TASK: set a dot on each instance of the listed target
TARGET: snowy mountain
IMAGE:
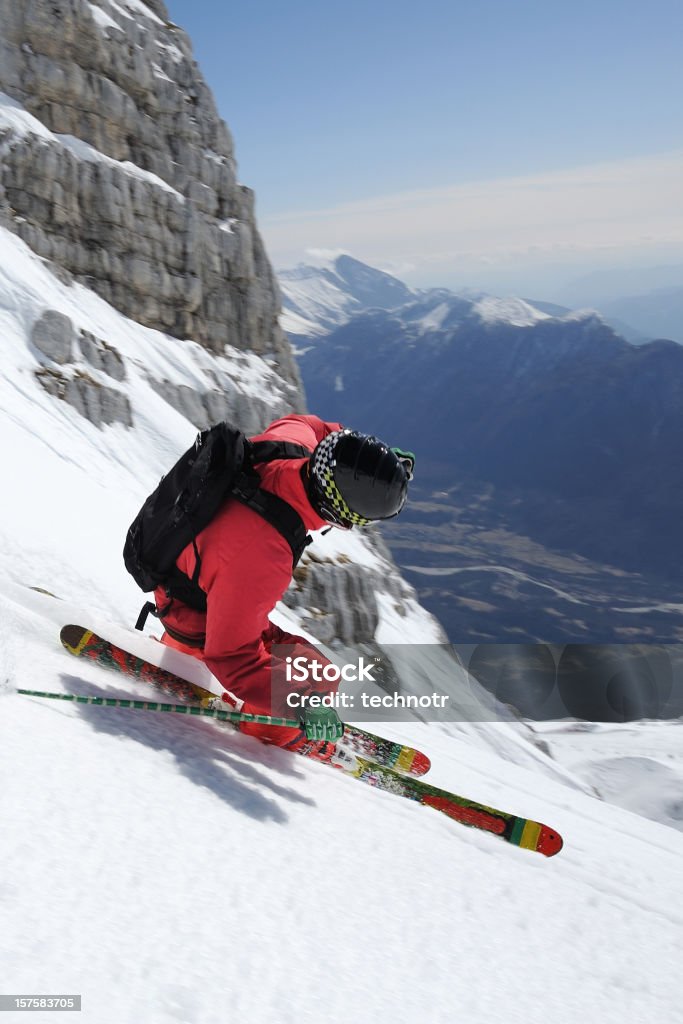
(169, 871)
(487, 392)
(316, 298)
(537, 429)
(206, 869)
(116, 815)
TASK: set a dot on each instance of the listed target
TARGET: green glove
(322, 724)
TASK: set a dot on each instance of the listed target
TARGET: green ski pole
(177, 709)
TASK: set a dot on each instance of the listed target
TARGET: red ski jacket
(246, 566)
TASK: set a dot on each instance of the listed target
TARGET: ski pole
(178, 709)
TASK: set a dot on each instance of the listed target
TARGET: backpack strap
(275, 511)
(270, 507)
(269, 451)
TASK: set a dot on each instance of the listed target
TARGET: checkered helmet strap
(323, 464)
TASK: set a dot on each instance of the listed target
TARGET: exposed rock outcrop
(61, 356)
(202, 408)
(100, 404)
(53, 336)
(341, 596)
(118, 169)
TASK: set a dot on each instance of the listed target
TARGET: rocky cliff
(133, 282)
(115, 166)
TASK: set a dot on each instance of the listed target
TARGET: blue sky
(340, 111)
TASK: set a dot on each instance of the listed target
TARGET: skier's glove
(322, 724)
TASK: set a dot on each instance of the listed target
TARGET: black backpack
(219, 465)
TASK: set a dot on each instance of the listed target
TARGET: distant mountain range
(573, 434)
(647, 299)
(658, 313)
(318, 298)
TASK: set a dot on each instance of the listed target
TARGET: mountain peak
(371, 287)
(318, 298)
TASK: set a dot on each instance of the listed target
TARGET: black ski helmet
(355, 478)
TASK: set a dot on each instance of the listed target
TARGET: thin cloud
(634, 204)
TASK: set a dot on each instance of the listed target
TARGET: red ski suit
(246, 566)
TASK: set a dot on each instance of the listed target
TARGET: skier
(245, 565)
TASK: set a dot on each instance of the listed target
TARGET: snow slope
(637, 765)
(168, 871)
(309, 299)
(172, 872)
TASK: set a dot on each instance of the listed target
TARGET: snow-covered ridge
(327, 293)
(317, 298)
(28, 288)
(510, 311)
(312, 303)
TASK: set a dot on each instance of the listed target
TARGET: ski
(347, 757)
(83, 642)
(523, 832)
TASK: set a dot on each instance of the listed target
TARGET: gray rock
(137, 197)
(100, 405)
(53, 335)
(204, 408)
(52, 381)
(102, 356)
(343, 597)
(322, 627)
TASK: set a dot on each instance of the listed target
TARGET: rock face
(341, 597)
(118, 169)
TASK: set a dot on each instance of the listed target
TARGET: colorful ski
(523, 832)
(84, 643)
(530, 835)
